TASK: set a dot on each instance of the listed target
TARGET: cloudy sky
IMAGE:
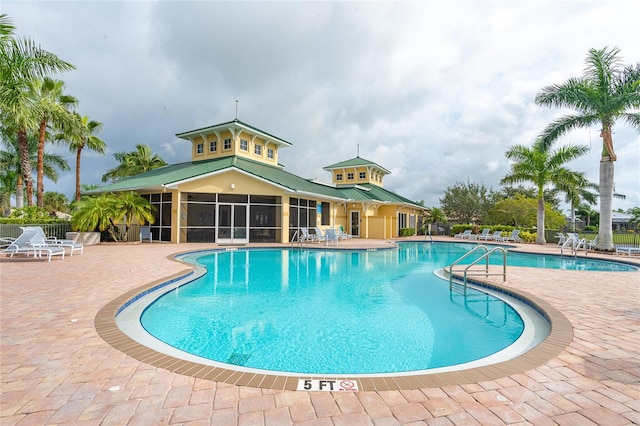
(435, 92)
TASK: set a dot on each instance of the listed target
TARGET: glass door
(355, 223)
(232, 224)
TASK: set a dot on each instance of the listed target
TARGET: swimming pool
(376, 297)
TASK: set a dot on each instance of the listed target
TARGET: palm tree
(606, 92)
(542, 167)
(79, 135)
(10, 161)
(129, 206)
(132, 163)
(56, 201)
(53, 106)
(577, 191)
(22, 61)
(94, 214)
(585, 212)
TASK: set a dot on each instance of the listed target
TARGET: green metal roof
(174, 174)
(355, 162)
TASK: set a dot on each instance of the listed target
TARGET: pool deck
(56, 369)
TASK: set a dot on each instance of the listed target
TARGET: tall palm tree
(132, 163)
(53, 107)
(79, 135)
(541, 166)
(10, 161)
(22, 61)
(607, 92)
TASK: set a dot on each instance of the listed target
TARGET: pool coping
(560, 336)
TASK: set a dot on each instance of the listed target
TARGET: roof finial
(358, 151)
(236, 109)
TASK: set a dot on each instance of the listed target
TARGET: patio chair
(465, 234)
(514, 237)
(561, 238)
(628, 250)
(145, 234)
(319, 236)
(331, 235)
(484, 235)
(41, 238)
(304, 235)
(495, 236)
(24, 245)
(592, 243)
(343, 235)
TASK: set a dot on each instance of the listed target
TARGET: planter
(85, 238)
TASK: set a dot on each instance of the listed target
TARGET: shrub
(407, 232)
(590, 228)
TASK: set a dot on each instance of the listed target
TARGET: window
(363, 175)
(270, 153)
(338, 176)
(227, 144)
(244, 145)
(200, 148)
(257, 149)
(349, 176)
(213, 146)
(325, 220)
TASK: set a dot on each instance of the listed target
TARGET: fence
(59, 230)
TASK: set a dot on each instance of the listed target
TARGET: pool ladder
(575, 246)
(468, 271)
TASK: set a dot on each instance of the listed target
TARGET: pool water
(336, 312)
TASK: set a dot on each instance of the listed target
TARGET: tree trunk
(78, 154)
(19, 192)
(25, 164)
(40, 171)
(605, 231)
(573, 218)
(540, 234)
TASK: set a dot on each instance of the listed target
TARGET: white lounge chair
(343, 235)
(628, 250)
(592, 243)
(484, 235)
(24, 245)
(41, 239)
(495, 235)
(463, 235)
(331, 235)
(304, 235)
(561, 238)
(514, 237)
(319, 236)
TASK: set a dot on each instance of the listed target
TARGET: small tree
(466, 203)
(102, 212)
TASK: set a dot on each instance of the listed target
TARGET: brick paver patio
(56, 369)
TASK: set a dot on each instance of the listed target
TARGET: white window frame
(214, 145)
(338, 176)
(226, 144)
(362, 175)
(270, 153)
(350, 176)
(244, 145)
(257, 149)
(200, 148)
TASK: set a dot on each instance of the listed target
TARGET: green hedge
(407, 232)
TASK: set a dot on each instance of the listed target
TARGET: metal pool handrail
(485, 256)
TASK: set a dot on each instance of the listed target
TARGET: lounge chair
(343, 235)
(463, 235)
(495, 236)
(592, 243)
(561, 238)
(41, 239)
(24, 245)
(331, 235)
(304, 235)
(514, 237)
(628, 250)
(319, 236)
(484, 235)
(145, 234)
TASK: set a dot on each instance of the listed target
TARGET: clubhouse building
(234, 191)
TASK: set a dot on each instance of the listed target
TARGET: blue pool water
(338, 312)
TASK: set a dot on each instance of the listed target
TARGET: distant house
(235, 191)
(620, 222)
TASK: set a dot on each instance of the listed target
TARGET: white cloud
(435, 92)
